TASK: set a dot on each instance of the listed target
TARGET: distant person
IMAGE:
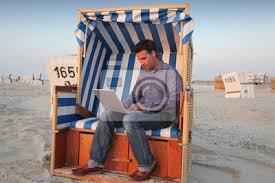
(153, 104)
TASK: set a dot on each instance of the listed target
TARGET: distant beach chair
(218, 83)
(17, 79)
(14, 80)
(37, 79)
(37, 76)
(260, 78)
(26, 79)
(34, 79)
(6, 79)
(106, 60)
(36, 82)
(238, 85)
(272, 84)
(252, 78)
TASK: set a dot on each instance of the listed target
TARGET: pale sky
(230, 35)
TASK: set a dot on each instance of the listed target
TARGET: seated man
(153, 104)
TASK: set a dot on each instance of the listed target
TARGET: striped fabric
(121, 37)
(91, 124)
(119, 72)
(155, 16)
(66, 112)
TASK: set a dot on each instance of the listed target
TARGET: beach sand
(233, 139)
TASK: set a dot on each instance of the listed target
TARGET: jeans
(135, 124)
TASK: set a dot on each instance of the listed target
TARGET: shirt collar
(158, 67)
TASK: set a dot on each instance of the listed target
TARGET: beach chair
(6, 79)
(252, 78)
(272, 84)
(218, 83)
(261, 78)
(238, 85)
(37, 76)
(106, 60)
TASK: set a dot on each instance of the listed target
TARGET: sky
(230, 35)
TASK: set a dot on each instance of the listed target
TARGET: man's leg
(135, 124)
(101, 143)
(102, 139)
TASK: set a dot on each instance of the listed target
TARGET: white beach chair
(6, 78)
(238, 85)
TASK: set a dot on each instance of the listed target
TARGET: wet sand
(233, 139)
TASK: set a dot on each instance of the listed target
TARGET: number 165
(61, 71)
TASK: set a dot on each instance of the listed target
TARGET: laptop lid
(109, 100)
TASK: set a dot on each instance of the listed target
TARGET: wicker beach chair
(218, 83)
(272, 85)
(106, 38)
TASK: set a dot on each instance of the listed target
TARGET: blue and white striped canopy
(121, 30)
(108, 60)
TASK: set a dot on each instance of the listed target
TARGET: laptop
(109, 100)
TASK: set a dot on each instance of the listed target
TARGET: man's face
(146, 59)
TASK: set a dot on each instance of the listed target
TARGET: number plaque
(62, 71)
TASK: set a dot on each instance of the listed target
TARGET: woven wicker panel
(190, 122)
(189, 159)
(190, 111)
(187, 78)
(188, 62)
(189, 117)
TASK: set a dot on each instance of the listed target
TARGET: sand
(233, 139)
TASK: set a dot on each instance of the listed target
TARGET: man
(153, 104)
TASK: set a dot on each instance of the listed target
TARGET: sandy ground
(233, 139)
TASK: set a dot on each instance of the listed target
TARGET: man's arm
(128, 102)
(174, 85)
(169, 103)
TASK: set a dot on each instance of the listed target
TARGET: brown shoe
(140, 176)
(84, 170)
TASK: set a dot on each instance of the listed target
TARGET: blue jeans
(135, 124)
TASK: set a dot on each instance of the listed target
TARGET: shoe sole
(136, 178)
(88, 173)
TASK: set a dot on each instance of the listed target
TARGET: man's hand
(136, 107)
(139, 107)
(125, 105)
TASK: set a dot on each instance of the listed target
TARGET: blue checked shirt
(158, 90)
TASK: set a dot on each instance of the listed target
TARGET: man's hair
(148, 45)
